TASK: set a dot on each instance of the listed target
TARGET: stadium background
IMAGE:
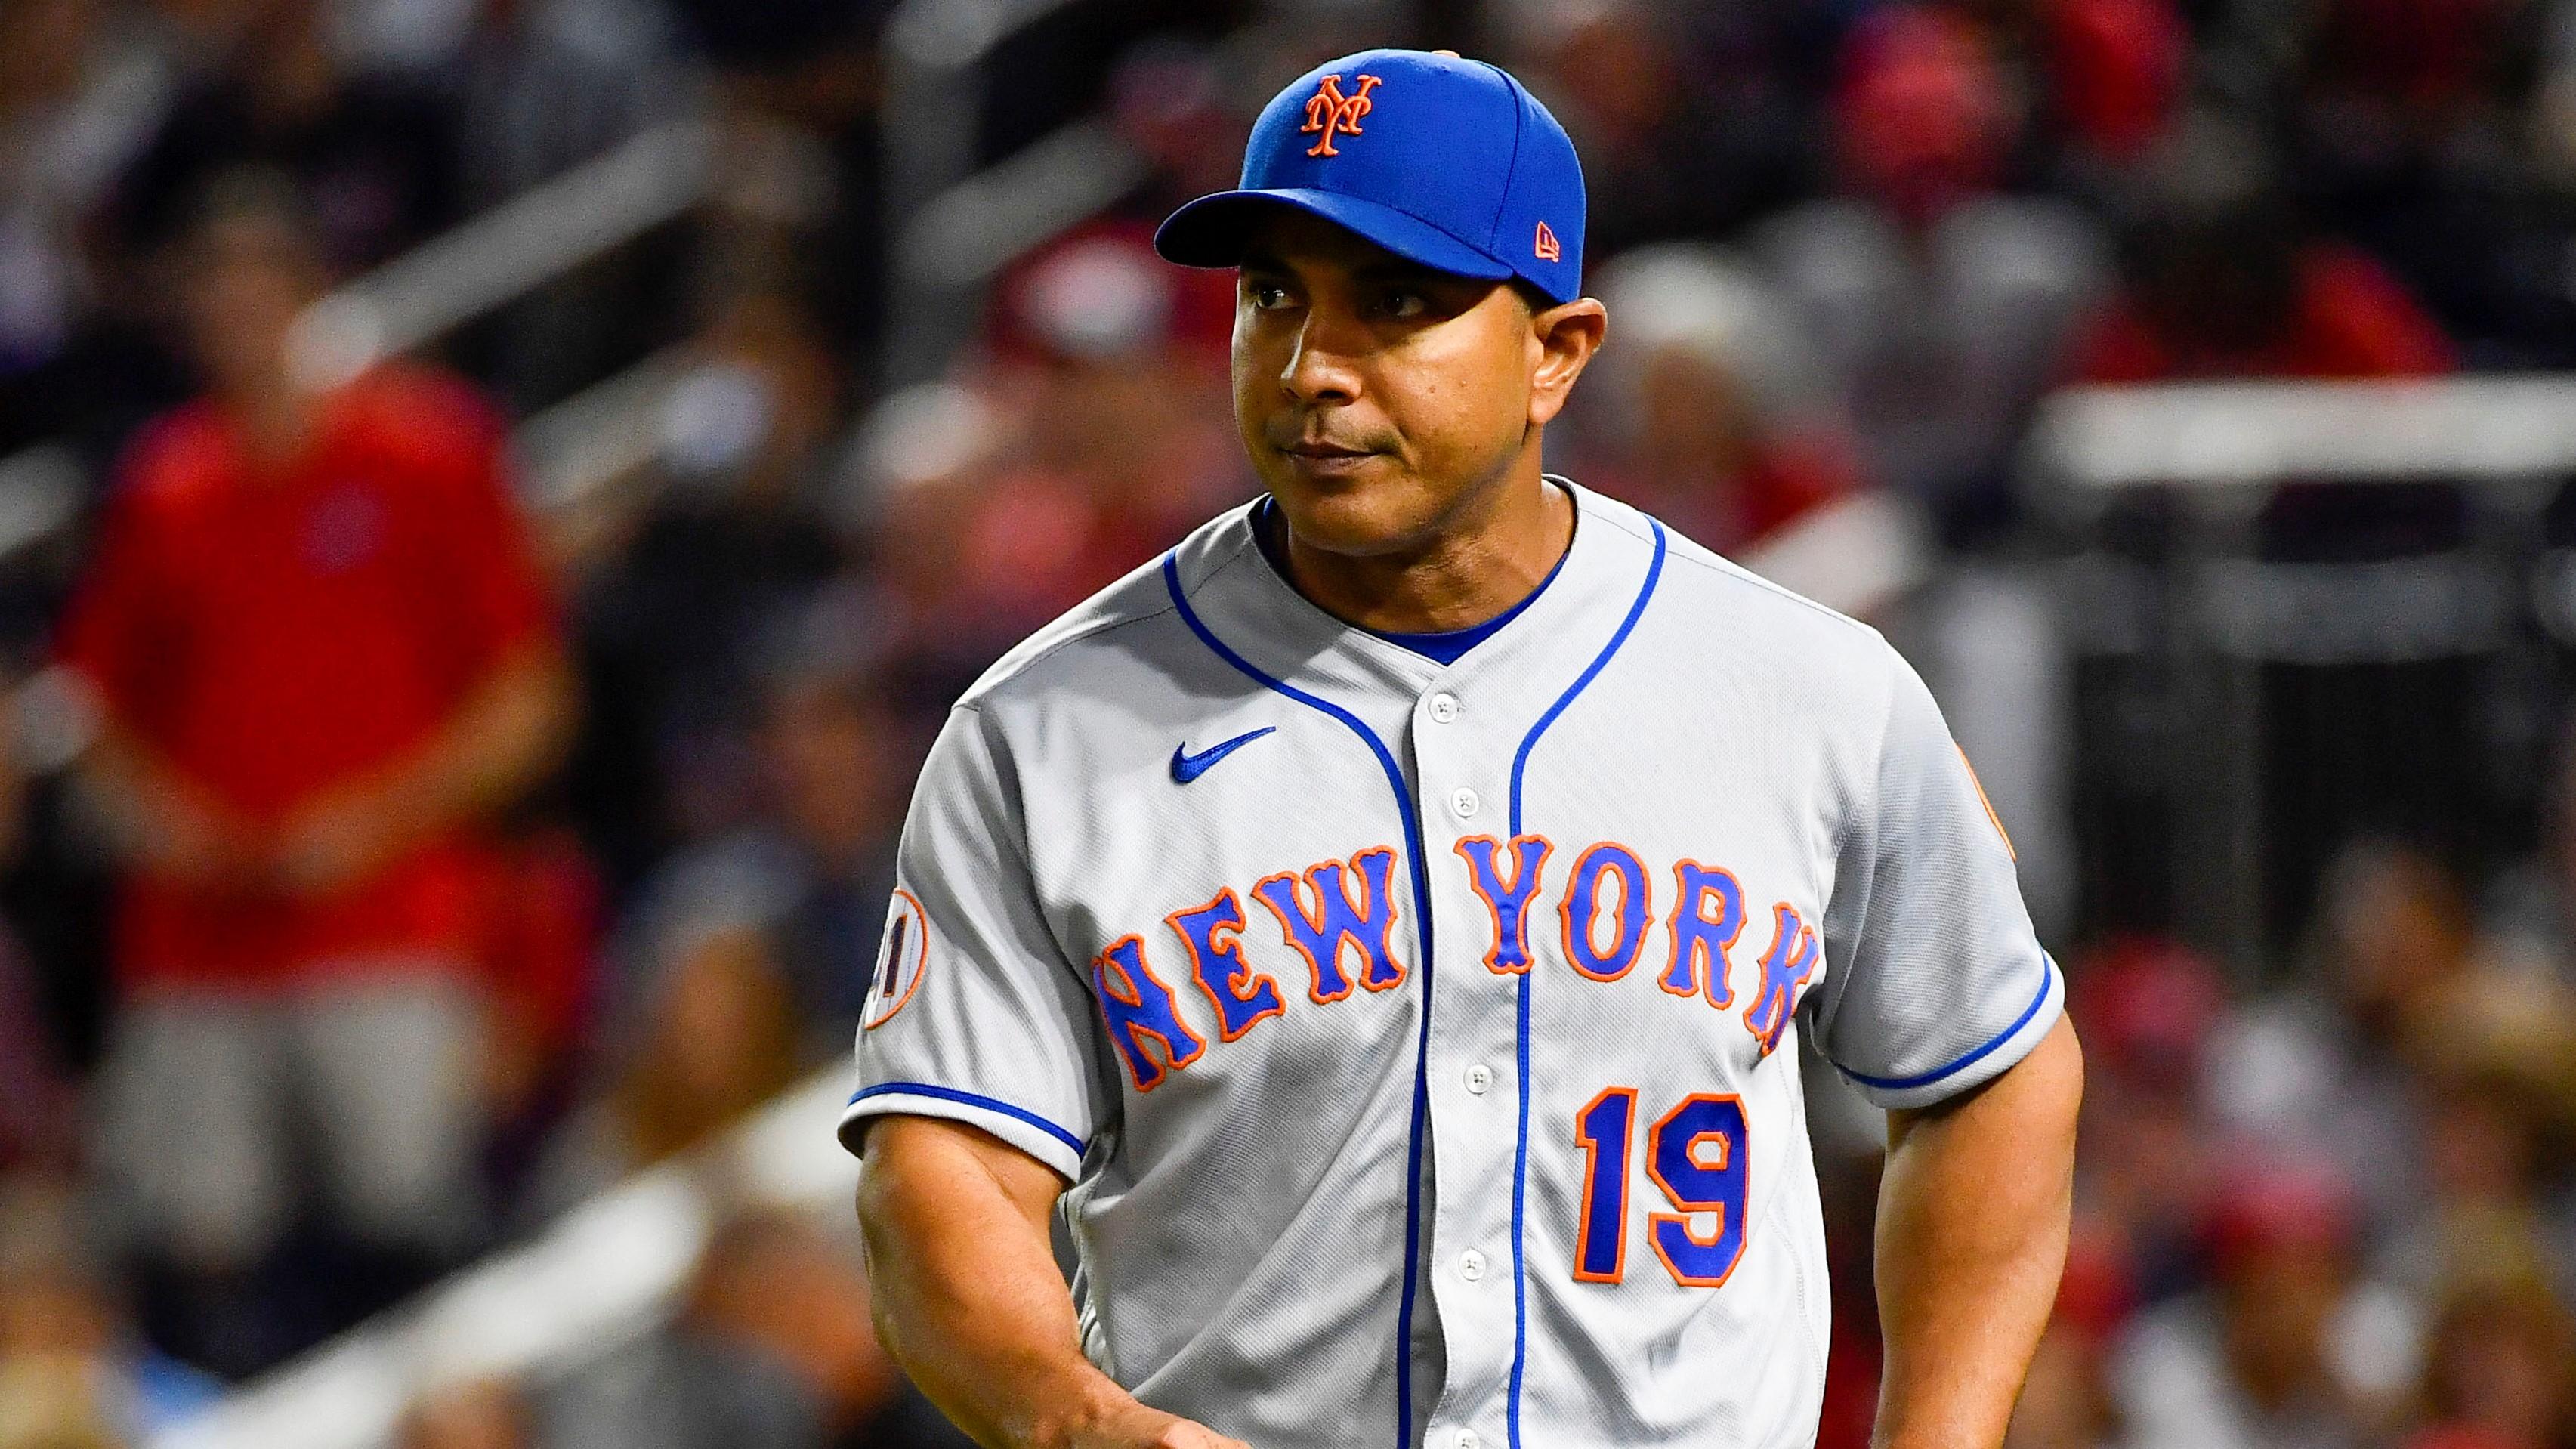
(2172, 378)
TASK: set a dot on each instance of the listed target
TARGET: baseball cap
(1448, 162)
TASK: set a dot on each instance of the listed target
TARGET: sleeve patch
(903, 956)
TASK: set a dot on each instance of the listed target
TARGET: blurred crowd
(398, 857)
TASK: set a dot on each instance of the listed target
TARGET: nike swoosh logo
(1187, 767)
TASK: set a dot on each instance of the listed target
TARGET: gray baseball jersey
(1419, 1041)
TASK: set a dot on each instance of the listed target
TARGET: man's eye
(1268, 296)
(1404, 304)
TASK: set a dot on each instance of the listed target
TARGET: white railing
(2093, 441)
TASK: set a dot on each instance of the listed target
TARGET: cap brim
(1211, 231)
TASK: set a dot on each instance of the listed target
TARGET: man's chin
(1361, 516)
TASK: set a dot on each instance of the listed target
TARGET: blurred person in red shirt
(320, 655)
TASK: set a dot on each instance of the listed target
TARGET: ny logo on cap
(1329, 112)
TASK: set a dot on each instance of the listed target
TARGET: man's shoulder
(1104, 645)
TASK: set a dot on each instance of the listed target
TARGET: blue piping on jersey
(971, 1099)
(1520, 1147)
(1422, 929)
(2047, 978)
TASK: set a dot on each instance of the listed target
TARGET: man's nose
(1320, 365)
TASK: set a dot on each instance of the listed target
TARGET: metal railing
(2217, 613)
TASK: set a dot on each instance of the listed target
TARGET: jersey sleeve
(973, 1013)
(1935, 982)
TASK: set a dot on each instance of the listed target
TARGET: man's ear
(1563, 339)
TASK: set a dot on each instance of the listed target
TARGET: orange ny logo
(1329, 112)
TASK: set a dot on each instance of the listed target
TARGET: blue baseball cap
(1448, 162)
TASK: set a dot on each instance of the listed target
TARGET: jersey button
(1465, 802)
(1480, 1079)
(1444, 708)
(1471, 1265)
(1467, 1439)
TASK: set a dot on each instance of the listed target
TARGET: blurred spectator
(2288, 1349)
(374, 155)
(2325, 1065)
(2115, 71)
(72, 1368)
(743, 961)
(2496, 1066)
(2146, 1010)
(2418, 141)
(703, 1031)
(772, 1349)
(1940, 303)
(2223, 283)
(735, 538)
(816, 868)
(1090, 439)
(1687, 116)
(1709, 413)
(2500, 1365)
(320, 654)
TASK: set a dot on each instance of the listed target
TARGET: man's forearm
(1972, 1226)
(965, 1288)
(509, 732)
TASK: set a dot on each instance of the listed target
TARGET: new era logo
(1545, 245)
(1330, 113)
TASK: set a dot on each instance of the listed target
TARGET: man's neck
(1489, 556)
